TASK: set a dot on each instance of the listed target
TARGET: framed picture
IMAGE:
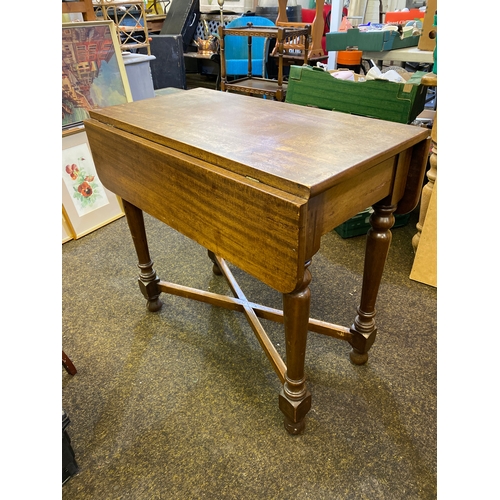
(66, 231)
(87, 204)
(93, 72)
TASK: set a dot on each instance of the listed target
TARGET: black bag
(182, 19)
(69, 465)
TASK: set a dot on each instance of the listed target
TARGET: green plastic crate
(369, 41)
(360, 223)
(396, 102)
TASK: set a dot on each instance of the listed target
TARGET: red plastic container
(412, 14)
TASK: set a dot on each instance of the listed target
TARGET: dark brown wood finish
(148, 280)
(228, 171)
(68, 364)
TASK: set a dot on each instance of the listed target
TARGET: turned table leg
(148, 280)
(295, 399)
(378, 242)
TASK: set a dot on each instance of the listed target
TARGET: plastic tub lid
(129, 58)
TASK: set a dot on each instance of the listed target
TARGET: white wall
(392, 5)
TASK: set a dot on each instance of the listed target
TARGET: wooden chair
(130, 20)
(296, 46)
(85, 7)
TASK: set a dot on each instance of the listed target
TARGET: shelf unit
(256, 85)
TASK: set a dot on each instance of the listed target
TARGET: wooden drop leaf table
(257, 183)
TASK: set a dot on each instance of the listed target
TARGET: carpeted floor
(183, 404)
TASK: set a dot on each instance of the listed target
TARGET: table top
(408, 54)
(202, 55)
(300, 150)
(228, 170)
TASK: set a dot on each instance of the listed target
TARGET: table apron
(342, 201)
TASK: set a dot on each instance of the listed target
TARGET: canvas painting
(93, 73)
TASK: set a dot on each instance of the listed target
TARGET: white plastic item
(390, 75)
(344, 75)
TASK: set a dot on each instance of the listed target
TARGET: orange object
(349, 57)
(394, 17)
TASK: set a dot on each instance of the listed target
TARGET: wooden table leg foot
(154, 305)
(294, 429)
(357, 357)
(148, 283)
(294, 412)
(215, 269)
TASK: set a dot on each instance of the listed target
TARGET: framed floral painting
(87, 204)
(93, 72)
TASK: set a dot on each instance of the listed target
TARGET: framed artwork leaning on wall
(93, 72)
(87, 205)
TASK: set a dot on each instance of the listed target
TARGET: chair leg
(68, 364)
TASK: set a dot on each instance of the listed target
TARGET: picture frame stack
(93, 76)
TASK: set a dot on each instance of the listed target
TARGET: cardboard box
(370, 41)
(396, 102)
(424, 267)
(428, 39)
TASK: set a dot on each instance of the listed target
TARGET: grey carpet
(183, 404)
